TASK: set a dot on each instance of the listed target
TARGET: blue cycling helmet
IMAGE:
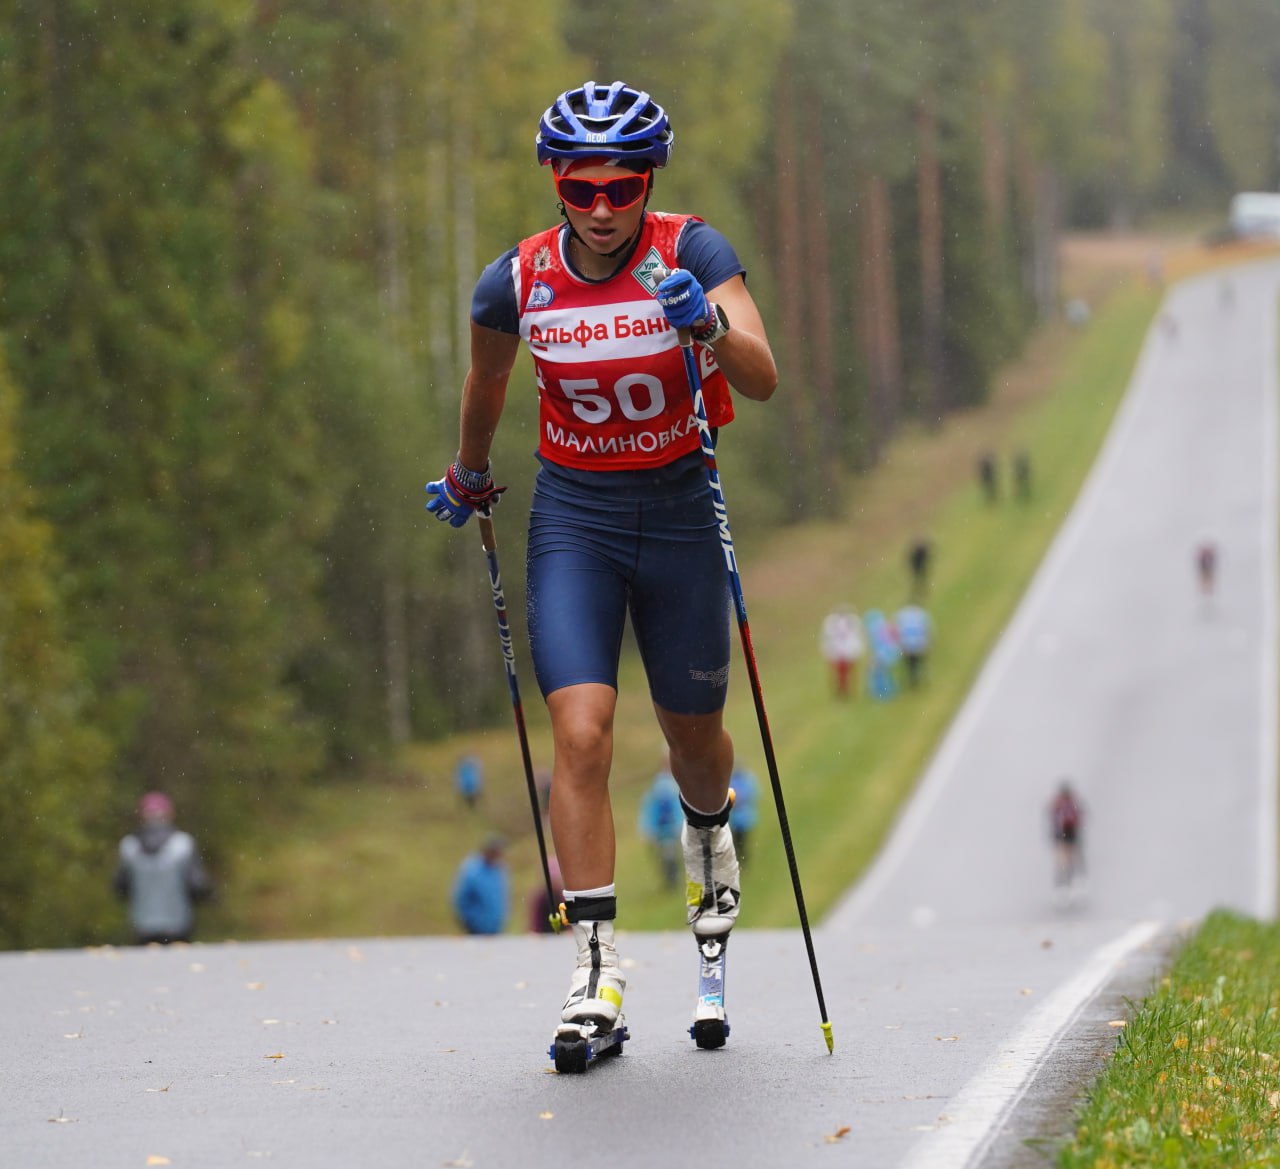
(613, 122)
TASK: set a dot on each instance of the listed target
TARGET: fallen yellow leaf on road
(843, 1131)
(278, 1055)
(155, 1160)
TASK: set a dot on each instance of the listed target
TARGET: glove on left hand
(683, 300)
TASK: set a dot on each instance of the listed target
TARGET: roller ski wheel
(710, 1028)
(576, 1046)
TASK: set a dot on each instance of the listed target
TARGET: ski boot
(711, 864)
(591, 1020)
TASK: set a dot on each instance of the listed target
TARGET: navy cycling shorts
(605, 544)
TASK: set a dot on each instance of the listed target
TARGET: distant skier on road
(1066, 817)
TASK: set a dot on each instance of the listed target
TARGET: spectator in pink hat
(160, 876)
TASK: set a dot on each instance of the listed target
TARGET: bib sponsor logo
(651, 271)
(540, 295)
(542, 259)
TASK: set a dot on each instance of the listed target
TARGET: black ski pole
(490, 541)
(753, 673)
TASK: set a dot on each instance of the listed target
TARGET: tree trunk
(818, 270)
(929, 180)
(395, 301)
(791, 276)
(877, 322)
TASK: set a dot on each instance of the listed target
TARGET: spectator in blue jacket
(481, 890)
(661, 819)
(744, 813)
(915, 636)
(468, 778)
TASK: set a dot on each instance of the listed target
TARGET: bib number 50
(629, 392)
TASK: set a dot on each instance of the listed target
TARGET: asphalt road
(967, 1002)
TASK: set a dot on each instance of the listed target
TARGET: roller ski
(710, 1027)
(577, 1045)
(712, 867)
(591, 1022)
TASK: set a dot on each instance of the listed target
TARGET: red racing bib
(612, 389)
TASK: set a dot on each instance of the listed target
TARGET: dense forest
(237, 247)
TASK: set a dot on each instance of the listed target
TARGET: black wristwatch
(714, 329)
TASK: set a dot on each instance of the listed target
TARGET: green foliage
(1192, 1083)
(1243, 90)
(53, 795)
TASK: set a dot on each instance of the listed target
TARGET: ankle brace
(590, 909)
(706, 819)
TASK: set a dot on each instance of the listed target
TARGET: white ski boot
(711, 864)
(591, 1019)
(595, 991)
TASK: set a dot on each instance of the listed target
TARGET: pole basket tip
(831, 1042)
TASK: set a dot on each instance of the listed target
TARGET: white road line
(1268, 778)
(979, 1113)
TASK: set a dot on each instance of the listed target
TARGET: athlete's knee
(582, 723)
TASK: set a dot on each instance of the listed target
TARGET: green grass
(1195, 1080)
(377, 856)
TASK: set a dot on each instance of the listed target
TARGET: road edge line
(982, 1108)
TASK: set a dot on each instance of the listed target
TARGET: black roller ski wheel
(710, 1033)
(570, 1054)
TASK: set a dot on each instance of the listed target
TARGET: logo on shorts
(540, 295)
(717, 678)
(651, 271)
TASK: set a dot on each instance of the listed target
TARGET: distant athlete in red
(622, 519)
(1065, 819)
(1207, 567)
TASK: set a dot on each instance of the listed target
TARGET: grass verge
(1195, 1079)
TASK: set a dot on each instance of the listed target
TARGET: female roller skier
(622, 518)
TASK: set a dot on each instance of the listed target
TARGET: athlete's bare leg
(581, 814)
(701, 756)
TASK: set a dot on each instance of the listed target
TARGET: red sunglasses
(621, 193)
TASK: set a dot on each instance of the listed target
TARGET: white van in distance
(1256, 214)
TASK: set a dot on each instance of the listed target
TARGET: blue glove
(683, 300)
(460, 493)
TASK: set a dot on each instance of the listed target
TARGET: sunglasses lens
(581, 194)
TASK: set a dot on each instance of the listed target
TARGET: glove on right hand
(683, 300)
(461, 492)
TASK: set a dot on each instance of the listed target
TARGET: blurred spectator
(1022, 475)
(481, 890)
(744, 813)
(919, 555)
(885, 655)
(160, 876)
(842, 644)
(915, 635)
(468, 778)
(988, 479)
(661, 819)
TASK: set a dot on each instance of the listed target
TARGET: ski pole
(744, 631)
(489, 540)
